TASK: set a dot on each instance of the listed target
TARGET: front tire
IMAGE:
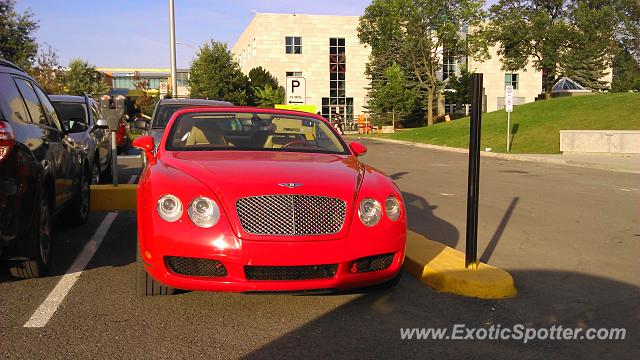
(39, 261)
(145, 284)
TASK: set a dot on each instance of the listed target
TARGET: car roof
(199, 102)
(9, 67)
(67, 98)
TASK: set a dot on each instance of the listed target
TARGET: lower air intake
(195, 266)
(290, 272)
(372, 263)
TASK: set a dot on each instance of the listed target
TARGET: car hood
(232, 175)
(235, 174)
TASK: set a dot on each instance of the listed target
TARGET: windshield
(71, 112)
(252, 131)
(163, 114)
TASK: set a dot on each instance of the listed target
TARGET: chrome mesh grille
(292, 215)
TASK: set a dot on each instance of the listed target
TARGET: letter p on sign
(296, 90)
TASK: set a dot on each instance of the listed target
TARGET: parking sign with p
(296, 90)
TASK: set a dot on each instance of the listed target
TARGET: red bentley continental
(248, 199)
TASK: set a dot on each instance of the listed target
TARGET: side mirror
(357, 148)
(102, 124)
(140, 124)
(145, 143)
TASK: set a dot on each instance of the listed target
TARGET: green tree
(17, 43)
(48, 72)
(84, 78)
(392, 97)
(268, 96)
(626, 72)
(259, 78)
(460, 87)
(417, 34)
(215, 75)
(560, 37)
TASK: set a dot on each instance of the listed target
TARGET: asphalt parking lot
(569, 236)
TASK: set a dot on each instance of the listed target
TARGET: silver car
(80, 115)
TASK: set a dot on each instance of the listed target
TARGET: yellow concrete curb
(442, 268)
(110, 198)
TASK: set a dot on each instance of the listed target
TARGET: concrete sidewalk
(619, 163)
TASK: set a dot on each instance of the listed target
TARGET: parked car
(165, 108)
(248, 199)
(123, 140)
(43, 173)
(80, 114)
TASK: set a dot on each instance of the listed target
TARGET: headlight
(369, 212)
(392, 208)
(204, 212)
(169, 208)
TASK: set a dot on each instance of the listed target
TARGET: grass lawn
(538, 124)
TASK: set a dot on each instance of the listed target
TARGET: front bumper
(342, 252)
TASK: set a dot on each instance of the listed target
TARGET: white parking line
(132, 179)
(45, 311)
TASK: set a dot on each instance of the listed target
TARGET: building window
(337, 56)
(448, 66)
(294, 73)
(337, 102)
(182, 79)
(293, 45)
(511, 79)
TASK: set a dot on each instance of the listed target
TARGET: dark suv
(43, 173)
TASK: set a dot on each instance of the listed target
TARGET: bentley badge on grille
(290, 185)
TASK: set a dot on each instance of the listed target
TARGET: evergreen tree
(260, 79)
(215, 75)
(268, 96)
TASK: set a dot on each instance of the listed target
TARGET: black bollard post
(473, 185)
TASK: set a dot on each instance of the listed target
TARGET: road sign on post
(508, 106)
(473, 184)
(296, 90)
(164, 87)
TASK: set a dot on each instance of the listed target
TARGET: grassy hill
(538, 124)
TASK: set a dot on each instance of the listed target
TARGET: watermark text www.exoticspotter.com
(518, 332)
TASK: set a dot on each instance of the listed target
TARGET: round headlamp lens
(204, 212)
(369, 211)
(392, 208)
(169, 208)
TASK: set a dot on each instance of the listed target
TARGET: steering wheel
(297, 142)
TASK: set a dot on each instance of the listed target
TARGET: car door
(72, 169)
(55, 149)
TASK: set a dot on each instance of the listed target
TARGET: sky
(135, 33)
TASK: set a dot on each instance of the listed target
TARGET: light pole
(172, 30)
